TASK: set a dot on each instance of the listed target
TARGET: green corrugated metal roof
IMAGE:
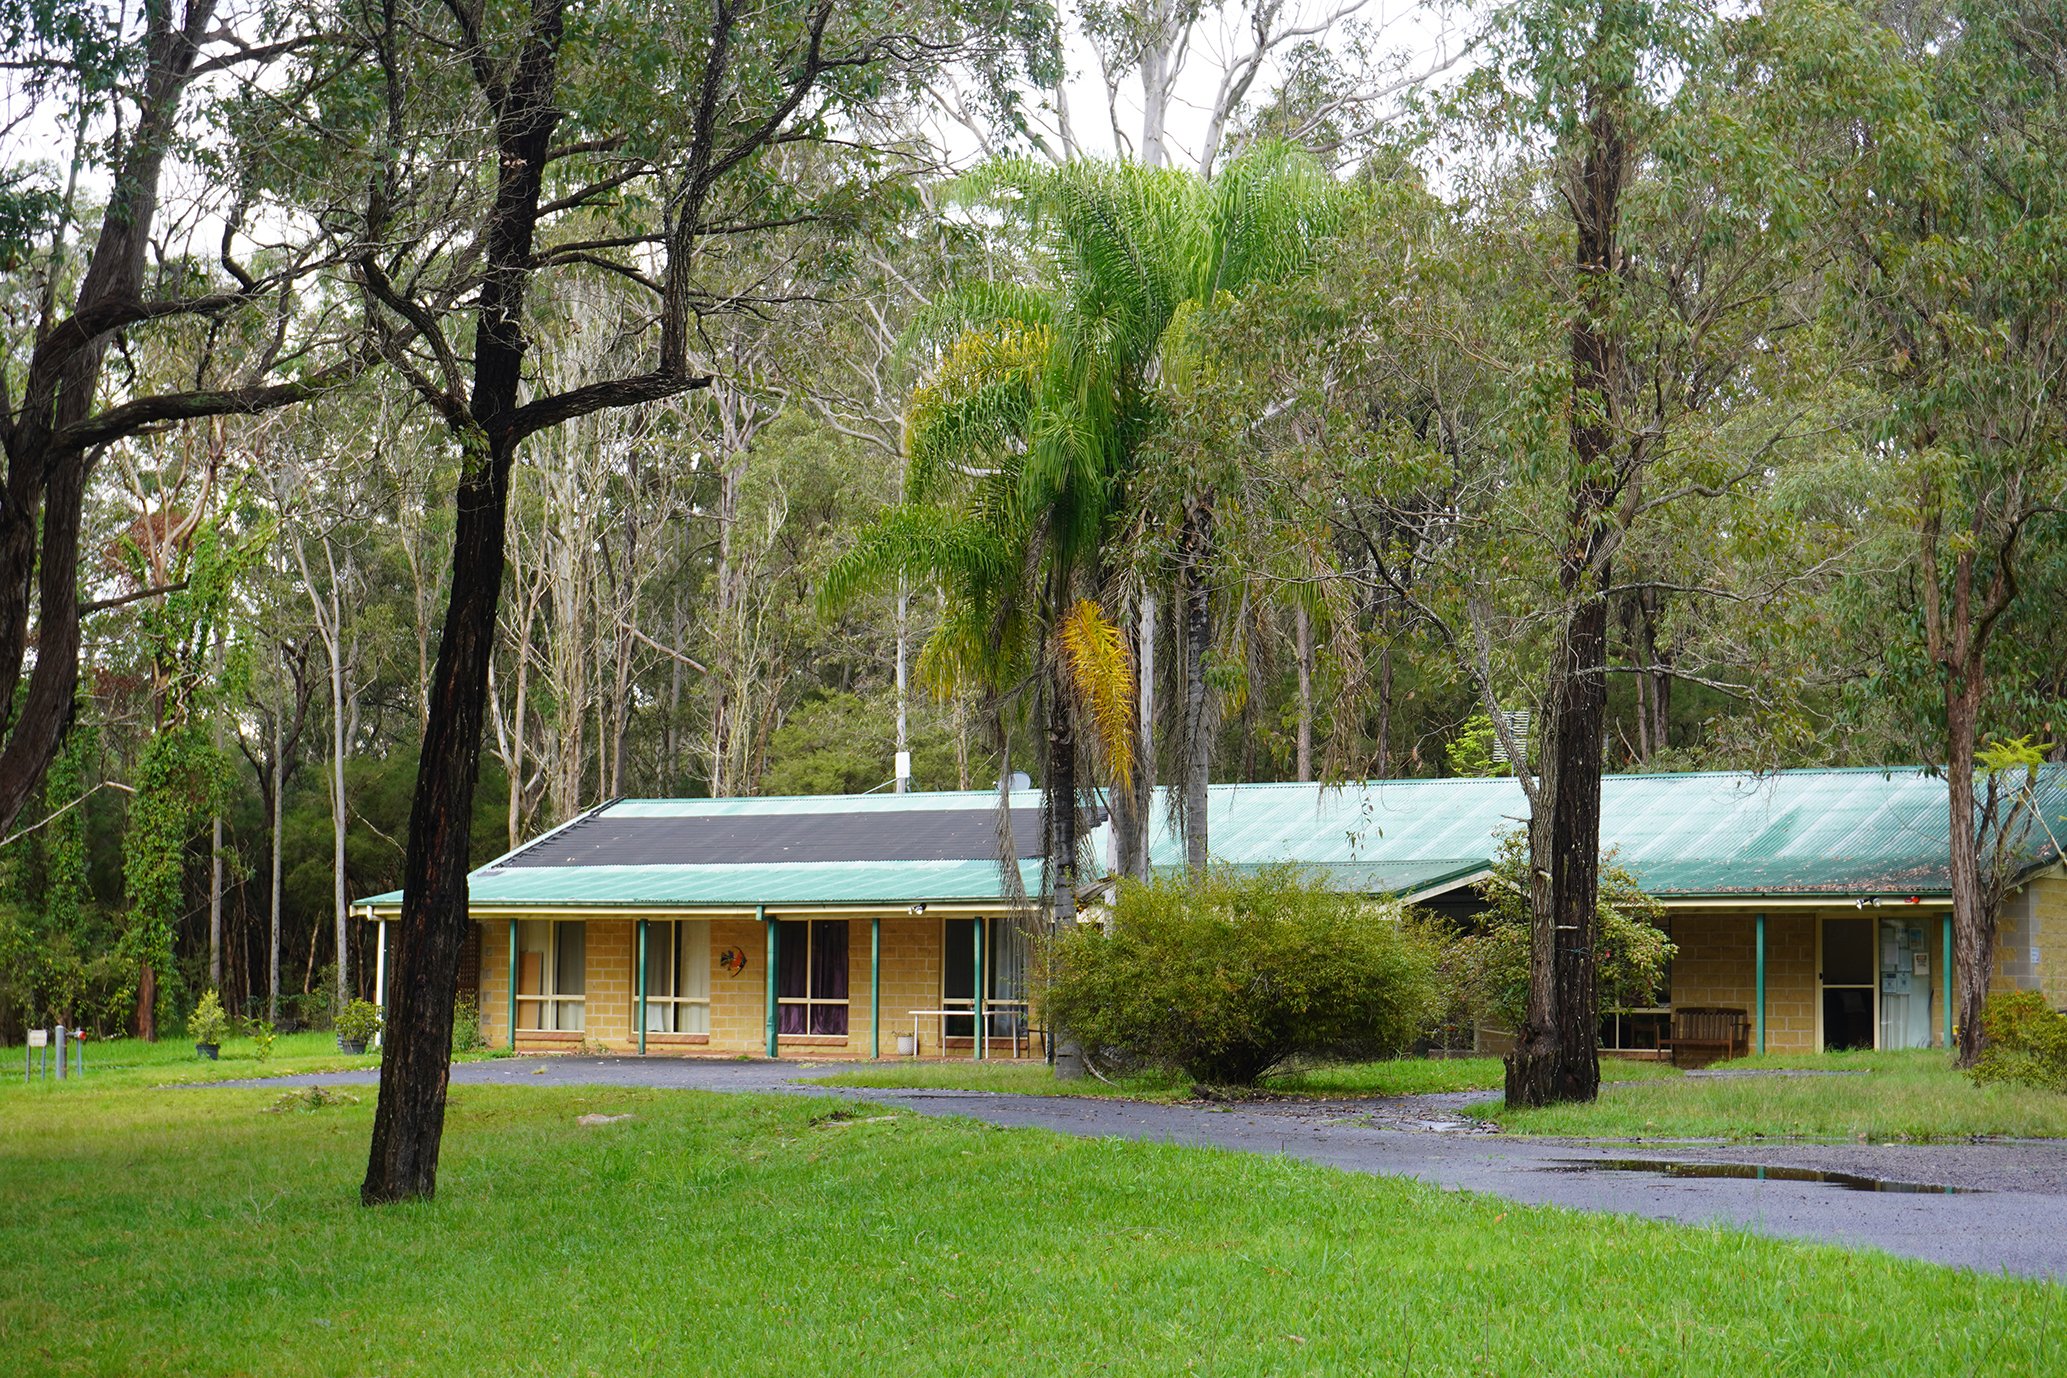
(1802, 832)
(820, 882)
(1434, 876)
(1851, 832)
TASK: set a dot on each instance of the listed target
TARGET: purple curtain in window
(829, 975)
(792, 973)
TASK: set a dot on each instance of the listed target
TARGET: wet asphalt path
(2012, 1218)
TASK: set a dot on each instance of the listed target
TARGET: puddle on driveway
(1666, 1167)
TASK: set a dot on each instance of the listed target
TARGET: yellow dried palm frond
(1102, 673)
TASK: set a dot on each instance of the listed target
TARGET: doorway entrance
(1850, 983)
(1905, 984)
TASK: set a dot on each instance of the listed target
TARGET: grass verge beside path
(1401, 1076)
(1915, 1096)
(194, 1232)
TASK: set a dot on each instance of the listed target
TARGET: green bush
(1486, 967)
(466, 1025)
(262, 1039)
(1224, 976)
(208, 1023)
(359, 1022)
(2024, 1041)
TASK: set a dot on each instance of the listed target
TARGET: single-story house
(1814, 902)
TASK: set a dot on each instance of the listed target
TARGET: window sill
(655, 1036)
(811, 1040)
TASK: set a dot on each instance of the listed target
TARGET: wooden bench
(1723, 1033)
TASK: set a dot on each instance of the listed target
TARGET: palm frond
(1101, 673)
(974, 404)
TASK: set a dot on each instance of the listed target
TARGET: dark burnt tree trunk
(490, 422)
(1556, 1055)
(409, 1122)
(51, 431)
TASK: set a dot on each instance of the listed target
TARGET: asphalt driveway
(1996, 1206)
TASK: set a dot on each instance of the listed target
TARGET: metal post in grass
(60, 1052)
(976, 1001)
(1761, 983)
(513, 986)
(761, 912)
(875, 987)
(642, 988)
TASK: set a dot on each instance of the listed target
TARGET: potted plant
(357, 1025)
(208, 1024)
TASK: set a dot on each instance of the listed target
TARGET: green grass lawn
(204, 1231)
(133, 1062)
(1894, 1096)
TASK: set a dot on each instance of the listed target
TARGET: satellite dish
(1019, 780)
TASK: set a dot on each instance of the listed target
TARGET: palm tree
(1024, 441)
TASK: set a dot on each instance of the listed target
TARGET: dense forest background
(1320, 532)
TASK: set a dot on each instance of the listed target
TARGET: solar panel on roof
(935, 835)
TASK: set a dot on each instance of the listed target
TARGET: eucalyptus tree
(1623, 293)
(1939, 134)
(141, 95)
(506, 150)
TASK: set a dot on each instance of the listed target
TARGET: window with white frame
(552, 974)
(811, 976)
(678, 976)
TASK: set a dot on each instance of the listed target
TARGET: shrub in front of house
(356, 1025)
(1485, 963)
(466, 1024)
(1224, 976)
(2024, 1042)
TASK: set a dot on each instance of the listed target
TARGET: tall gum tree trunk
(1557, 1054)
(1974, 927)
(431, 929)
(409, 1120)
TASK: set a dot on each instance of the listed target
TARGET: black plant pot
(207, 1050)
(351, 1045)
